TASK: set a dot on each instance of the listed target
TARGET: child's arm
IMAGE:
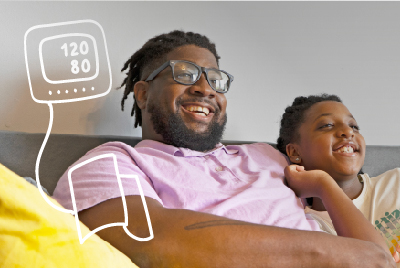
(346, 218)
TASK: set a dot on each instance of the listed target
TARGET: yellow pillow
(33, 234)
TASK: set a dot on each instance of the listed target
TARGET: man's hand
(308, 183)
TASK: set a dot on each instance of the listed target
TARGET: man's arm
(184, 238)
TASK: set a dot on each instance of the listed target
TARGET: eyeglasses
(188, 73)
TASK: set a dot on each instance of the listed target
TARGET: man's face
(330, 140)
(178, 113)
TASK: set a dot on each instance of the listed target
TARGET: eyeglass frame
(203, 70)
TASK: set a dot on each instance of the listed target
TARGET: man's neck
(151, 135)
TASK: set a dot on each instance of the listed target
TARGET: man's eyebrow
(328, 114)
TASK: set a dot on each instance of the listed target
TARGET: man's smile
(199, 110)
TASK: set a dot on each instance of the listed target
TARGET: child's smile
(346, 149)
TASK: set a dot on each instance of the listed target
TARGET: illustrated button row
(66, 91)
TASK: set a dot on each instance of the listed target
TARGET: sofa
(46, 237)
(19, 150)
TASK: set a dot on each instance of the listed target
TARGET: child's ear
(292, 150)
(140, 91)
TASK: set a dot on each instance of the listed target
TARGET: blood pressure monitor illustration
(68, 62)
(73, 60)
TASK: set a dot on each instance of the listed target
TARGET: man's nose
(202, 87)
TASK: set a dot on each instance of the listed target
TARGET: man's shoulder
(252, 147)
(259, 150)
(110, 147)
(121, 146)
(254, 150)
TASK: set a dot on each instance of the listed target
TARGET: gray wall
(275, 50)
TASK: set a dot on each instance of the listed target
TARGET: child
(322, 138)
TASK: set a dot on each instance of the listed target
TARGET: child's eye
(355, 127)
(326, 126)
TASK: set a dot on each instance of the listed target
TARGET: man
(210, 205)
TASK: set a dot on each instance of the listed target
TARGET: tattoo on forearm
(206, 224)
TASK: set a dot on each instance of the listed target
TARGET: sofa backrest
(19, 151)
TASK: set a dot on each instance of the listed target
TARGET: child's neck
(351, 188)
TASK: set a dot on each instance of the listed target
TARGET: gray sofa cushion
(18, 152)
(379, 159)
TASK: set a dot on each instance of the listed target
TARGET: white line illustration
(94, 95)
(44, 195)
(118, 176)
(44, 26)
(96, 54)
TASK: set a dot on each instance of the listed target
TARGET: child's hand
(396, 254)
(307, 183)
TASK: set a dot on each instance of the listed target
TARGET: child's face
(330, 140)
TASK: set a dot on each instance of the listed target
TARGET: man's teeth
(199, 109)
(345, 149)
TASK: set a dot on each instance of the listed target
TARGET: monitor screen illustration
(67, 62)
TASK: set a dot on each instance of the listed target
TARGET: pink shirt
(242, 182)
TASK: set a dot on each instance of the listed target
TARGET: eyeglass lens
(187, 73)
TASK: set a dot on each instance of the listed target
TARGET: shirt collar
(180, 151)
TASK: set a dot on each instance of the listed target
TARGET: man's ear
(140, 90)
(293, 151)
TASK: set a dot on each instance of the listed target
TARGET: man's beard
(174, 131)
